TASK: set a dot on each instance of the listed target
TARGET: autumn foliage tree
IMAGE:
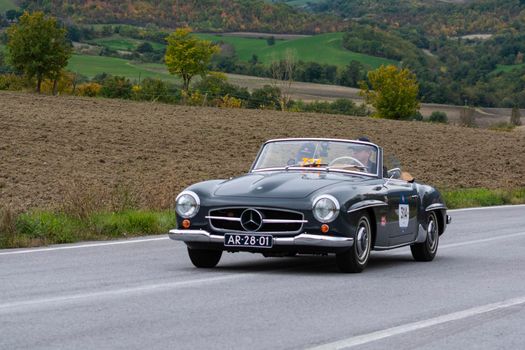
(393, 92)
(38, 47)
(187, 56)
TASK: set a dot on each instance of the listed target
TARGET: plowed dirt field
(52, 148)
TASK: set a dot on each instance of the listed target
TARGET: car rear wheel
(204, 257)
(356, 259)
(427, 250)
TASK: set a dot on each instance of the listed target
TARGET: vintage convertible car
(311, 196)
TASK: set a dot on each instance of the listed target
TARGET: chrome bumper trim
(303, 239)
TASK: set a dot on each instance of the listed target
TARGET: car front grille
(273, 220)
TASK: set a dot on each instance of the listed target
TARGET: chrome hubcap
(432, 233)
(363, 241)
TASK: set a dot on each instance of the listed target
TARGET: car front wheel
(427, 250)
(204, 257)
(356, 259)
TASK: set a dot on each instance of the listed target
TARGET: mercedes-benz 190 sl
(312, 196)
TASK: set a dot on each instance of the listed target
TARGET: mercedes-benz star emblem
(251, 220)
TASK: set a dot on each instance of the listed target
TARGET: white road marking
(7, 307)
(482, 240)
(414, 326)
(486, 208)
(88, 245)
(144, 240)
(461, 244)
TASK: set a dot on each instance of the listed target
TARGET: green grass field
(507, 68)
(7, 5)
(117, 42)
(324, 48)
(93, 65)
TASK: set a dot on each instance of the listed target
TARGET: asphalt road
(145, 294)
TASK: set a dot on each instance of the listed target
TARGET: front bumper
(303, 239)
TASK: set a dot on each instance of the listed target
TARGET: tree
(515, 118)
(393, 94)
(12, 15)
(283, 74)
(38, 47)
(145, 47)
(187, 56)
(467, 117)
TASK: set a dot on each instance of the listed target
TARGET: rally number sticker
(403, 215)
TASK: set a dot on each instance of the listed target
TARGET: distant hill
(201, 15)
(434, 17)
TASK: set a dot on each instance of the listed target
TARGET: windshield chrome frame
(379, 157)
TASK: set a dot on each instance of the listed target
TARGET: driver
(363, 153)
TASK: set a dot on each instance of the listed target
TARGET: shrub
(65, 84)
(230, 102)
(116, 87)
(88, 89)
(267, 97)
(194, 98)
(215, 85)
(417, 117)
(155, 90)
(339, 106)
(502, 126)
(438, 117)
(13, 82)
(343, 106)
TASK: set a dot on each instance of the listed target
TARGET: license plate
(244, 240)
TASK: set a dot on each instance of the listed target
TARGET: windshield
(335, 155)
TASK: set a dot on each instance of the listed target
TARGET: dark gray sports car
(312, 196)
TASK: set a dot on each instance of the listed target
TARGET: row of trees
(203, 15)
(38, 47)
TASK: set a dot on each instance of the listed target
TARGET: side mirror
(394, 173)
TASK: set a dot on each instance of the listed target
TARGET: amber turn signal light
(325, 228)
(186, 223)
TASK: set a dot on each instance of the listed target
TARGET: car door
(402, 206)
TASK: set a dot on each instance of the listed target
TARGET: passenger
(307, 151)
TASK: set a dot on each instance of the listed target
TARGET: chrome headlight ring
(187, 204)
(325, 208)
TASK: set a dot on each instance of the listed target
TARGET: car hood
(280, 184)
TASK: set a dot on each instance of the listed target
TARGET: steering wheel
(347, 157)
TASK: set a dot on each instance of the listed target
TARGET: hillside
(207, 15)
(434, 18)
(54, 147)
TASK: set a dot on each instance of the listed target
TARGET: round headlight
(326, 208)
(188, 204)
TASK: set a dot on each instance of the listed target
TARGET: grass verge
(38, 228)
(482, 197)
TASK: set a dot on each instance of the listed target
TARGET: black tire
(356, 258)
(204, 257)
(427, 250)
